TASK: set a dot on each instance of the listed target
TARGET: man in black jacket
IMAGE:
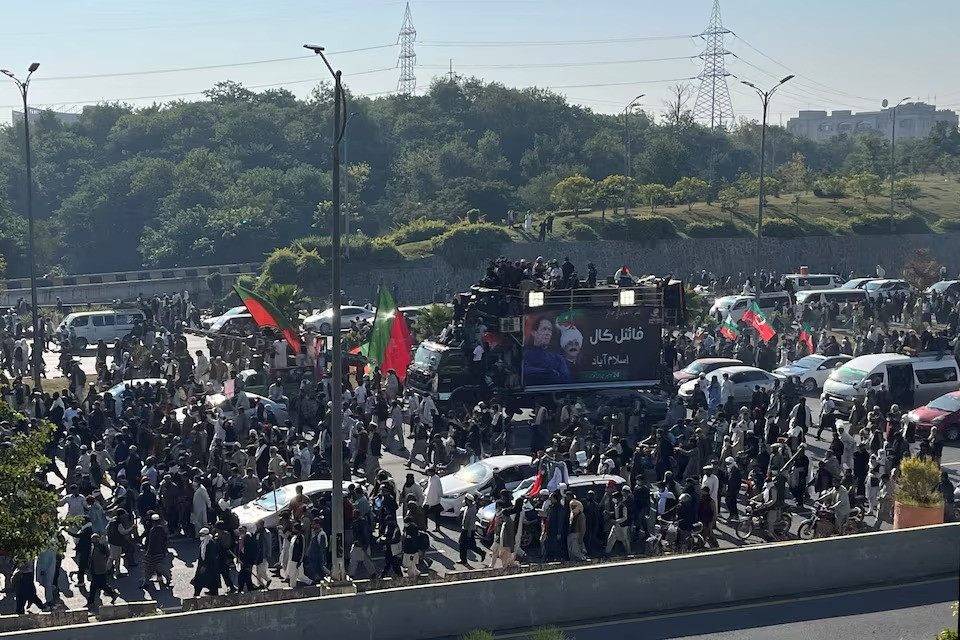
(247, 553)
(734, 480)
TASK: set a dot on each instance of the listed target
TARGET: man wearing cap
(468, 521)
(734, 480)
(155, 553)
(207, 575)
(619, 531)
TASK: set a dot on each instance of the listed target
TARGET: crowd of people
(156, 466)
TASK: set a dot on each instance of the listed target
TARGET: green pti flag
(390, 339)
(755, 317)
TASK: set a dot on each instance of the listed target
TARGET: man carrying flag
(806, 334)
(729, 329)
(390, 339)
(755, 317)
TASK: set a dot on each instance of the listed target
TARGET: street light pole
(627, 169)
(893, 155)
(24, 86)
(346, 180)
(338, 577)
(765, 99)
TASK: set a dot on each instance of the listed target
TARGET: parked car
(579, 485)
(722, 305)
(942, 413)
(945, 287)
(269, 507)
(91, 326)
(767, 302)
(323, 322)
(477, 478)
(812, 370)
(702, 365)
(744, 380)
(857, 283)
(877, 289)
(206, 323)
(800, 281)
(909, 380)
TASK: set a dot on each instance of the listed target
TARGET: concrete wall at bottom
(568, 595)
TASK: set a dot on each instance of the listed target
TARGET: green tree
(433, 320)
(652, 195)
(575, 192)
(28, 512)
(289, 299)
(906, 191)
(773, 187)
(865, 184)
(690, 190)
(729, 199)
(794, 174)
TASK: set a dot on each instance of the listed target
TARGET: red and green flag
(756, 318)
(729, 329)
(806, 334)
(266, 314)
(390, 338)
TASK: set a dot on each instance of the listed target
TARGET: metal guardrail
(136, 276)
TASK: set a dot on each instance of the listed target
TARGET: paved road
(895, 612)
(444, 555)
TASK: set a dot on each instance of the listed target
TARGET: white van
(800, 282)
(840, 296)
(911, 381)
(91, 326)
(767, 303)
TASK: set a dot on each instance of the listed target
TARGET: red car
(942, 413)
(704, 366)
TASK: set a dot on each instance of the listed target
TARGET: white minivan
(767, 302)
(91, 326)
(911, 381)
(801, 282)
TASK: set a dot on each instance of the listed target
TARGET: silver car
(323, 322)
(745, 380)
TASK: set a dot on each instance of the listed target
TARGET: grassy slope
(940, 201)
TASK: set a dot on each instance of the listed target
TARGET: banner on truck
(617, 346)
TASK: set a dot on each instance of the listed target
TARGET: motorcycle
(750, 522)
(820, 523)
(666, 539)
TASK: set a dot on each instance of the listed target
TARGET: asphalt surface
(444, 553)
(891, 612)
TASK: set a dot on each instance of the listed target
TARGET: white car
(323, 322)
(813, 370)
(477, 478)
(225, 405)
(857, 283)
(722, 305)
(744, 380)
(206, 323)
(270, 506)
(877, 289)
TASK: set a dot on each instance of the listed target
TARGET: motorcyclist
(767, 504)
(838, 501)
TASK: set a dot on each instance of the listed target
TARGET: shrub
(579, 231)
(471, 242)
(215, 284)
(281, 266)
(639, 229)
(311, 269)
(418, 230)
(830, 226)
(782, 228)
(948, 224)
(832, 187)
(722, 229)
(880, 224)
(473, 216)
(361, 247)
(382, 250)
(918, 482)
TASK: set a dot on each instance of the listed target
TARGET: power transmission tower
(407, 84)
(713, 98)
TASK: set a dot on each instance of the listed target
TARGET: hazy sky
(847, 54)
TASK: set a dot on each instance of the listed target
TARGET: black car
(598, 404)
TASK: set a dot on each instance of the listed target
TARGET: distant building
(65, 117)
(914, 120)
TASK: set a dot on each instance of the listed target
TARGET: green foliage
(729, 199)
(477, 634)
(28, 513)
(472, 242)
(794, 174)
(921, 270)
(782, 228)
(648, 229)
(548, 633)
(281, 267)
(748, 186)
(828, 226)
(433, 320)
(652, 195)
(689, 190)
(473, 216)
(881, 224)
(865, 185)
(577, 231)
(215, 284)
(906, 191)
(289, 299)
(417, 230)
(720, 229)
(362, 248)
(918, 482)
(832, 187)
(949, 224)
(312, 270)
(575, 192)
(773, 187)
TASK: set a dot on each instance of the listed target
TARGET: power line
(148, 72)
(616, 84)
(557, 65)
(546, 43)
(813, 93)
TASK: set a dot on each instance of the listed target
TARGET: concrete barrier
(565, 595)
(124, 610)
(251, 597)
(43, 620)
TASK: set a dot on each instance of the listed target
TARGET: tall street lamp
(765, 98)
(346, 178)
(893, 152)
(24, 86)
(626, 154)
(338, 577)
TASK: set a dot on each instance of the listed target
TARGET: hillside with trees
(240, 174)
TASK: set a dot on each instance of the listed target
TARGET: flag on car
(756, 318)
(806, 334)
(729, 329)
(266, 314)
(390, 338)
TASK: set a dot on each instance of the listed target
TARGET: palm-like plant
(288, 299)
